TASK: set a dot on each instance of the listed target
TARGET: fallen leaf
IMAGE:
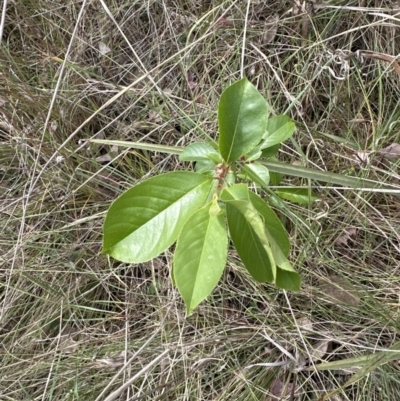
(305, 323)
(113, 362)
(191, 80)
(280, 390)
(68, 341)
(53, 127)
(270, 29)
(337, 289)
(391, 151)
(69, 347)
(155, 117)
(337, 397)
(346, 236)
(103, 48)
(320, 349)
(362, 157)
(225, 22)
(104, 158)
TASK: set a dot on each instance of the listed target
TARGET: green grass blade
(331, 178)
(173, 150)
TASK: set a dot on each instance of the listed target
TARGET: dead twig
(378, 56)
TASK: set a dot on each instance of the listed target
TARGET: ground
(77, 325)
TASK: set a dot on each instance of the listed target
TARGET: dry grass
(77, 326)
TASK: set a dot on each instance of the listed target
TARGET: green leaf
(242, 118)
(236, 192)
(279, 128)
(275, 178)
(147, 219)
(230, 178)
(205, 166)
(198, 151)
(257, 173)
(215, 208)
(215, 157)
(253, 154)
(297, 195)
(286, 277)
(200, 256)
(272, 235)
(272, 223)
(248, 235)
(270, 152)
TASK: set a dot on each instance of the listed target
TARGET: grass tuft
(75, 325)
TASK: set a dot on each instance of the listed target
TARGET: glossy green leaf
(270, 152)
(215, 208)
(147, 219)
(286, 277)
(230, 178)
(297, 195)
(236, 192)
(215, 157)
(279, 128)
(248, 235)
(275, 178)
(257, 173)
(273, 235)
(198, 151)
(200, 256)
(288, 280)
(205, 166)
(254, 154)
(272, 223)
(242, 119)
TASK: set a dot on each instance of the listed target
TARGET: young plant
(199, 208)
